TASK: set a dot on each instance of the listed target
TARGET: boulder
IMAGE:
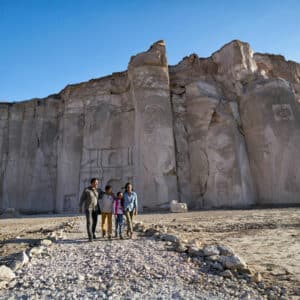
(176, 207)
(194, 251)
(138, 226)
(3, 284)
(195, 243)
(213, 257)
(224, 250)
(227, 274)
(36, 251)
(255, 277)
(211, 251)
(232, 262)
(169, 238)
(6, 274)
(151, 231)
(181, 248)
(216, 265)
(46, 242)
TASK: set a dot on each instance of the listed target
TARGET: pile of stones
(212, 259)
(7, 273)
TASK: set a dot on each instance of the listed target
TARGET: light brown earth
(267, 239)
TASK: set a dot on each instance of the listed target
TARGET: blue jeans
(119, 225)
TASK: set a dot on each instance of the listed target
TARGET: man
(89, 199)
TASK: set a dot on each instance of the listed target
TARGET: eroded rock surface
(221, 131)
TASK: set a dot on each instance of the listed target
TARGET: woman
(130, 207)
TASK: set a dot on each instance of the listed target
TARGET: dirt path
(268, 240)
(138, 268)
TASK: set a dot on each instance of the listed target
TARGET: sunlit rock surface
(222, 131)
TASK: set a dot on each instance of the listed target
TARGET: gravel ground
(144, 268)
(141, 268)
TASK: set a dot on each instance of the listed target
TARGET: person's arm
(114, 208)
(82, 200)
(100, 193)
(124, 202)
(135, 204)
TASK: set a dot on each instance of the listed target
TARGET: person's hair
(119, 193)
(127, 184)
(108, 187)
(93, 180)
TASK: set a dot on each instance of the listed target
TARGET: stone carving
(108, 165)
(283, 112)
(153, 115)
(210, 132)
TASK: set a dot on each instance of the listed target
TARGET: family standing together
(96, 202)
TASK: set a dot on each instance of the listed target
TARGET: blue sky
(47, 44)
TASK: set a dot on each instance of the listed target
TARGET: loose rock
(176, 207)
(6, 274)
(46, 243)
(227, 274)
(232, 262)
(211, 250)
(36, 251)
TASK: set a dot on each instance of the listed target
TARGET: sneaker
(121, 237)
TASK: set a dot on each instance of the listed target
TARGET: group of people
(96, 202)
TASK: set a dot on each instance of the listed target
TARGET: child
(106, 206)
(118, 211)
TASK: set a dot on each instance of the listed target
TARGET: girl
(118, 212)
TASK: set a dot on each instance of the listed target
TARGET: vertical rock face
(213, 169)
(222, 131)
(271, 123)
(220, 173)
(155, 166)
(29, 155)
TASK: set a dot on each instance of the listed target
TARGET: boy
(118, 212)
(106, 207)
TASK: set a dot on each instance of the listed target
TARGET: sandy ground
(267, 239)
(16, 234)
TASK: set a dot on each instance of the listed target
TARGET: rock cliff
(222, 131)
